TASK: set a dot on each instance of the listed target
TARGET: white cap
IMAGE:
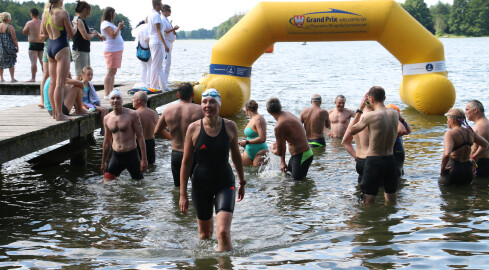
(212, 93)
(115, 92)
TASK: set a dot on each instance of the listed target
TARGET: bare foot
(14, 80)
(31, 80)
(63, 117)
(40, 105)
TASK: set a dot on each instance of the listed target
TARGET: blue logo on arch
(429, 67)
(231, 70)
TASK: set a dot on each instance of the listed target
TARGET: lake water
(63, 218)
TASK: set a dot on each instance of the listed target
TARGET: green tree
(440, 13)
(224, 27)
(457, 21)
(477, 18)
(420, 11)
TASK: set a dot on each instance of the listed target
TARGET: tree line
(463, 18)
(20, 14)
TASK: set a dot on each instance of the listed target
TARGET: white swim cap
(212, 93)
(115, 92)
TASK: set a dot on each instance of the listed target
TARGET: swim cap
(212, 93)
(392, 106)
(115, 92)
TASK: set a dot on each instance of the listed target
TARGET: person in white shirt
(156, 41)
(170, 36)
(142, 38)
(113, 47)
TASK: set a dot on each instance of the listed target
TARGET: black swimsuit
(461, 172)
(213, 178)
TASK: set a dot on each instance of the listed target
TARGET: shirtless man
(288, 130)
(316, 121)
(122, 128)
(361, 142)
(339, 117)
(475, 112)
(380, 165)
(148, 118)
(177, 117)
(36, 44)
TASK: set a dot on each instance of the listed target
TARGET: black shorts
(317, 142)
(378, 171)
(150, 150)
(125, 160)
(482, 168)
(38, 47)
(359, 167)
(213, 187)
(299, 164)
(176, 165)
(459, 174)
(64, 109)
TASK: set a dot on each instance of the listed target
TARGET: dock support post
(79, 150)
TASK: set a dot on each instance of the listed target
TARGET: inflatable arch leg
(425, 85)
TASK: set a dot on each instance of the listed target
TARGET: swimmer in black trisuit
(210, 140)
(456, 167)
(122, 128)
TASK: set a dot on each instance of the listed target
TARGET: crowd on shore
(202, 141)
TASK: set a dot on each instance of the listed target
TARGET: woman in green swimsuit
(256, 148)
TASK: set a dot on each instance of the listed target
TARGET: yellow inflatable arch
(425, 85)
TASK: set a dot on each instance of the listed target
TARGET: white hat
(212, 93)
(115, 92)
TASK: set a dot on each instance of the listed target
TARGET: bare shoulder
(230, 124)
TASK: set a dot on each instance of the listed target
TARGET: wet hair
(477, 104)
(86, 69)
(81, 5)
(35, 12)
(252, 105)
(4, 17)
(166, 7)
(378, 93)
(459, 116)
(274, 106)
(156, 2)
(317, 99)
(340, 96)
(108, 14)
(185, 91)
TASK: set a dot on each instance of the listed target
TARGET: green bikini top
(52, 24)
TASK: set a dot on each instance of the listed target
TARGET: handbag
(143, 54)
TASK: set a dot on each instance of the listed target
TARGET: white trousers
(156, 78)
(146, 72)
(167, 62)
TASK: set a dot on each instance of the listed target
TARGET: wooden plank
(27, 129)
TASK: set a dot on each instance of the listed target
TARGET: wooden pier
(26, 129)
(32, 88)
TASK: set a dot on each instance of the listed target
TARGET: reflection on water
(64, 218)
